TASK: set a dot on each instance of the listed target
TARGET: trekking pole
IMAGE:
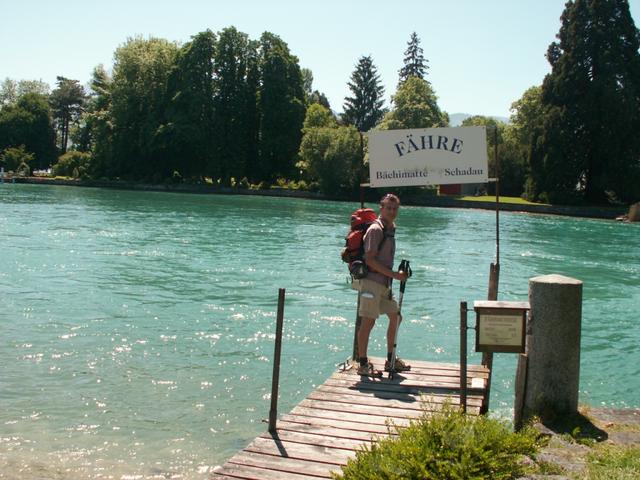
(404, 267)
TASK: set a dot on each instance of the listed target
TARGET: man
(375, 292)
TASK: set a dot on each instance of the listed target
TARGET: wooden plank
(317, 440)
(393, 412)
(341, 415)
(421, 364)
(327, 431)
(367, 428)
(271, 462)
(416, 402)
(255, 473)
(405, 398)
(399, 388)
(405, 379)
(300, 451)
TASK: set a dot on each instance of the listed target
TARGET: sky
(482, 55)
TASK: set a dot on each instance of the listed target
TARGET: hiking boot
(400, 366)
(367, 370)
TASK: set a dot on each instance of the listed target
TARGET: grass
(491, 198)
(614, 463)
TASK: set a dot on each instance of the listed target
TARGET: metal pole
(361, 170)
(355, 356)
(273, 412)
(494, 271)
(497, 162)
(463, 356)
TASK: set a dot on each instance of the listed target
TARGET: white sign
(427, 156)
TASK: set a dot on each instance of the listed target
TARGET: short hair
(390, 197)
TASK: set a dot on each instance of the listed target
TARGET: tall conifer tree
(365, 108)
(415, 64)
(589, 146)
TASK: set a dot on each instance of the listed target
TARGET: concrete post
(553, 346)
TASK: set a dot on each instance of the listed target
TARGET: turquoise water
(136, 329)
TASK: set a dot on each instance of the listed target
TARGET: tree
(318, 117)
(510, 154)
(588, 146)
(330, 153)
(13, 157)
(320, 98)
(10, 90)
(67, 102)
(187, 134)
(95, 128)
(138, 107)
(28, 123)
(365, 108)
(307, 82)
(415, 106)
(414, 63)
(230, 103)
(282, 108)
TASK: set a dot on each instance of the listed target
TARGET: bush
(446, 445)
(14, 158)
(73, 164)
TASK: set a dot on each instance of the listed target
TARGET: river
(137, 328)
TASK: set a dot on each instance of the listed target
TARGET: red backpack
(353, 252)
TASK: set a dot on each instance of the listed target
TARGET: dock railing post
(273, 412)
(463, 356)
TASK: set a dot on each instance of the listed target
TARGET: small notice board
(500, 326)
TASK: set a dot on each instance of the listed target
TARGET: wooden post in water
(463, 356)
(273, 412)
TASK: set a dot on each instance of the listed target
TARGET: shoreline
(607, 213)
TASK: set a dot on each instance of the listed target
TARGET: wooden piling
(275, 381)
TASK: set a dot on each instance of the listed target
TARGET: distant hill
(456, 119)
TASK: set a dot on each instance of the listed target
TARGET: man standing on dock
(376, 296)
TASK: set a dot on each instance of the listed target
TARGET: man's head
(389, 205)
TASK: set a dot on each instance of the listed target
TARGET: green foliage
(11, 158)
(67, 102)
(321, 98)
(230, 102)
(11, 90)
(187, 133)
(73, 164)
(332, 157)
(588, 145)
(365, 108)
(28, 122)
(282, 108)
(511, 155)
(446, 445)
(318, 116)
(415, 106)
(138, 106)
(414, 63)
(95, 131)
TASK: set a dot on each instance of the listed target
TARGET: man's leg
(391, 330)
(394, 322)
(366, 325)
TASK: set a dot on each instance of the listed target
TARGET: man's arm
(375, 265)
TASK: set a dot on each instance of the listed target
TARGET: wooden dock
(324, 430)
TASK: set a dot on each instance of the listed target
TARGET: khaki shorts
(375, 299)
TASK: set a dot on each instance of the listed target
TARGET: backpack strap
(384, 233)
